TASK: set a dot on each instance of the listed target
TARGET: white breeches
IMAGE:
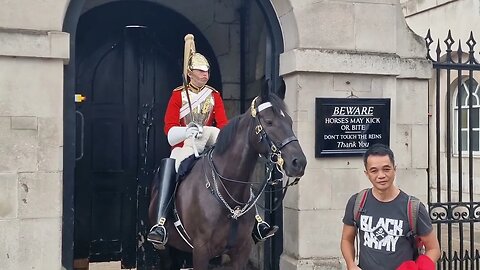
(208, 138)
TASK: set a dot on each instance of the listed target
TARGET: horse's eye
(269, 122)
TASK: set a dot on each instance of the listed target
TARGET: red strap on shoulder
(410, 214)
(364, 194)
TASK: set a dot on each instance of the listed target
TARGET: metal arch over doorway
(274, 47)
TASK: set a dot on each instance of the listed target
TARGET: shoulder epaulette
(178, 88)
(214, 90)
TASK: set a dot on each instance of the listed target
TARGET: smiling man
(383, 224)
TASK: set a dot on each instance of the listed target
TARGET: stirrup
(263, 231)
(158, 236)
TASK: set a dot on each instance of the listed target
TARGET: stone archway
(223, 50)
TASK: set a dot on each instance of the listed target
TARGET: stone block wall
(33, 51)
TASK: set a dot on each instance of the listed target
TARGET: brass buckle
(280, 161)
(277, 159)
(258, 129)
(274, 148)
(162, 221)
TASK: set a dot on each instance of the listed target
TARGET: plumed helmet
(198, 61)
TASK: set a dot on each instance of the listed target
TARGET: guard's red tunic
(217, 117)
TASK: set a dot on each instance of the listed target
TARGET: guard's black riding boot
(166, 186)
(261, 229)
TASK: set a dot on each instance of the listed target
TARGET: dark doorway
(126, 69)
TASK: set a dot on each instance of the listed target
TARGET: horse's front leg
(239, 258)
(200, 258)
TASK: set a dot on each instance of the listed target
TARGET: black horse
(214, 201)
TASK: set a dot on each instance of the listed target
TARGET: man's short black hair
(378, 149)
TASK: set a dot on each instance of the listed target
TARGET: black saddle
(186, 166)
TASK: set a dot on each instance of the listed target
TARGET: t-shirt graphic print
(383, 235)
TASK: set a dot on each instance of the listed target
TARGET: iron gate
(454, 151)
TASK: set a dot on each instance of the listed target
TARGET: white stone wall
(334, 48)
(33, 51)
(461, 17)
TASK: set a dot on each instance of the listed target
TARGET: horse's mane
(226, 135)
(228, 132)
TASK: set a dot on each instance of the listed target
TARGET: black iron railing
(453, 152)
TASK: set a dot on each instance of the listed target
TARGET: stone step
(85, 265)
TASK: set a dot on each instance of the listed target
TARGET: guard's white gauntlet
(177, 135)
(194, 131)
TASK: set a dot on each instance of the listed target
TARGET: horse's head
(273, 134)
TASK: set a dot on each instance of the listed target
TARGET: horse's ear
(265, 91)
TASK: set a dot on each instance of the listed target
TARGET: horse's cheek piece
(258, 129)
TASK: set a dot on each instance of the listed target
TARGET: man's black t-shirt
(382, 231)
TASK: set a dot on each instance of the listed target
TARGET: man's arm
(432, 247)
(347, 246)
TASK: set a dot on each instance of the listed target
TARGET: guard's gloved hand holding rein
(177, 135)
(194, 130)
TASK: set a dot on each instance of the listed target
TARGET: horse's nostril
(295, 163)
(298, 164)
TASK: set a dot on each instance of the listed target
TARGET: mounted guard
(193, 110)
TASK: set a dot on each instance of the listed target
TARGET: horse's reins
(235, 212)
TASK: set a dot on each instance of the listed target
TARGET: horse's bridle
(274, 161)
(275, 154)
